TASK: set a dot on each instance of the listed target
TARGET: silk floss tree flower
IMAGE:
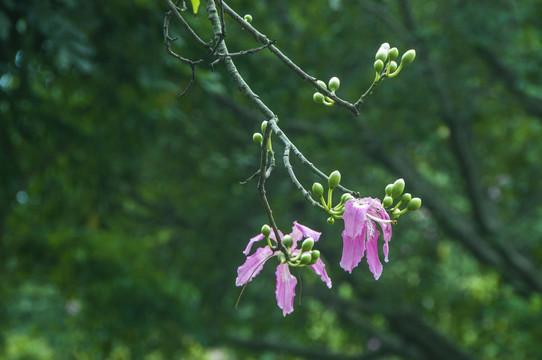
(360, 235)
(286, 282)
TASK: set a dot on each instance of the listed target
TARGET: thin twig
(290, 170)
(179, 17)
(289, 63)
(167, 40)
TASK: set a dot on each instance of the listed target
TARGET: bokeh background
(122, 219)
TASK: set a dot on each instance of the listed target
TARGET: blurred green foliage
(122, 219)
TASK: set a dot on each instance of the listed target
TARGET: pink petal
(372, 250)
(251, 242)
(354, 217)
(257, 238)
(320, 269)
(305, 232)
(353, 250)
(253, 265)
(285, 290)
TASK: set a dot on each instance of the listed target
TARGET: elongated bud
(317, 189)
(387, 202)
(264, 126)
(378, 65)
(266, 230)
(393, 66)
(389, 187)
(334, 179)
(318, 98)
(394, 52)
(345, 197)
(382, 53)
(408, 57)
(305, 259)
(414, 204)
(257, 138)
(307, 245)
(334, 84)
(315, 255)
(322, 84)
(287, 241)
(248, 18)
(398, 187)
(406, 197)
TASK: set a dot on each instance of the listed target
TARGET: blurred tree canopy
(122, 219)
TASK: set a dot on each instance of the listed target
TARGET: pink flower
(286, 282)
(360, 234)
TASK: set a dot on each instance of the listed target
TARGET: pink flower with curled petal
(286, 282)
(360, 234)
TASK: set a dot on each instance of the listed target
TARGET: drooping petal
(320, 269)
(354, 217)
(285, 289)
(353, 250)
(372, 250)
(253, 265)
(305, 232)
(256, 238)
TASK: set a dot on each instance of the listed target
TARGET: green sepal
(334, 179)
(387, 202)
(315, 255)
(287, 241)
(318, 98)
(408, 57)
(305, 259)
(378, 66)
(393, 53)
(257, 138)
(317, 190)
(334, 84)
(266, 230)
(307, 245)
(398, 187)
(414, 204)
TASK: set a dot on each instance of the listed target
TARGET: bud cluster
(258, 137)
(336, 211)
(332, 86)
(385, 64)
(395, 192)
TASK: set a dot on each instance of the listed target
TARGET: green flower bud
(382, 53)
(305, 259)
(318, 98)
(307, 245)
(334, 84)
(387, 202)
(282, 258)
(378, 65)
(317, 189)
(322, 84)
(334, 179)
(248, 18)
(398, 187)
(287, 241)
(393, 66)
(389, 187)
(257, 138)
(408, 57)
(406, 197)
(264, 126)
(414, 204)
(266, 230)
(330, 220)
(345, 197)
(394, 52)
(315, 255)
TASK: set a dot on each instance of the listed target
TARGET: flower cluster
(360, 238)
(286, 282)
